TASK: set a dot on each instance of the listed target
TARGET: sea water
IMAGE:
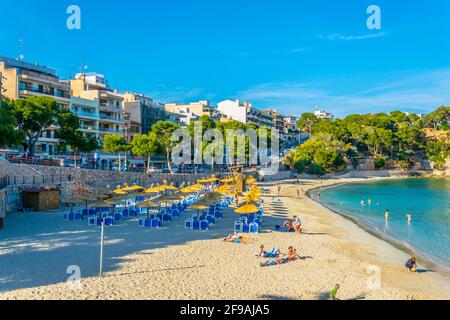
(427, 200)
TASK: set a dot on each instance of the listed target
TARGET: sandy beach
(173, 263)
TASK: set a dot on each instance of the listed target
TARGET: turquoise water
(427, 200)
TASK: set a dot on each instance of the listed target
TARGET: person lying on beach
(237, 239)
(334, 292)
(274, 262)
(411, 264)
(274, 253)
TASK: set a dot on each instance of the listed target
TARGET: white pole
(101, 248)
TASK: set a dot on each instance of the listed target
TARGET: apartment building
(245, 113)
(92, 86)
(144, 112)
(22, 79)
(88, 111)
(194, 110)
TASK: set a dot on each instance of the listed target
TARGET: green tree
(321, 154)
(113, 143)
(10, 135)
(145, 145)
(306, 122)
(71, 137)
(438, 119)
(34, 116)
(164, 131)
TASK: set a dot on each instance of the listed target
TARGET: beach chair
(238, 226)
(148, 223)
(204, 225)
(92, 222)
(166, 217)
(218, 215)
(78, 216)
(210, 219)
(175, 213)
(155, 223)
(109, 221)
(188, 224)
(243, 219)
(246, 228)
(225, 204)
(141, 223)
(85, 212)
(66, 217)
(253, 228)
(196, 225)
(118, 216)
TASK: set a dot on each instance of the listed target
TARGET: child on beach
(334, 292)
(411, 264)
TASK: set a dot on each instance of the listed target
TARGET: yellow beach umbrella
(135, 187)
(247, 209)
(119, 190)
(227, 180)
(250, 180)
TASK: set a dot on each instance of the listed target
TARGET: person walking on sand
(411, 264)
(298, 193)
(298, 225)
(279, 190)
(334, 292)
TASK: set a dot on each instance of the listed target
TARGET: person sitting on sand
(265, 254)
(334, 292)
(411, 264)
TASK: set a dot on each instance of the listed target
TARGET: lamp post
(126, 152)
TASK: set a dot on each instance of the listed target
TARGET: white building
(245, 113)
(322, 114)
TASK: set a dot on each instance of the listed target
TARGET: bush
(380, 163)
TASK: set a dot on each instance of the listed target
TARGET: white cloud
(419, 92)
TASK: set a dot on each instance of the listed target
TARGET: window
(22, 85)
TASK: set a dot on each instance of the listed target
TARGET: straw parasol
(73, 202)
(119, 190)
(149, 205)
(247, 209)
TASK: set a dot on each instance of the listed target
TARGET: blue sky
(289, 55)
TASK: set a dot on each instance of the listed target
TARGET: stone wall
(97, 180)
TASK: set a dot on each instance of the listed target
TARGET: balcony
(111, 131)
(56, 94)
(110, 108)
(110, 118)
(85, 114)
(89, 128)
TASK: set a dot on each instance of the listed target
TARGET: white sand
(174, 263)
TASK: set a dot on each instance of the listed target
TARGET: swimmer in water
(369, 202)
(387, 215)
(363, 203)
(408, 215)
